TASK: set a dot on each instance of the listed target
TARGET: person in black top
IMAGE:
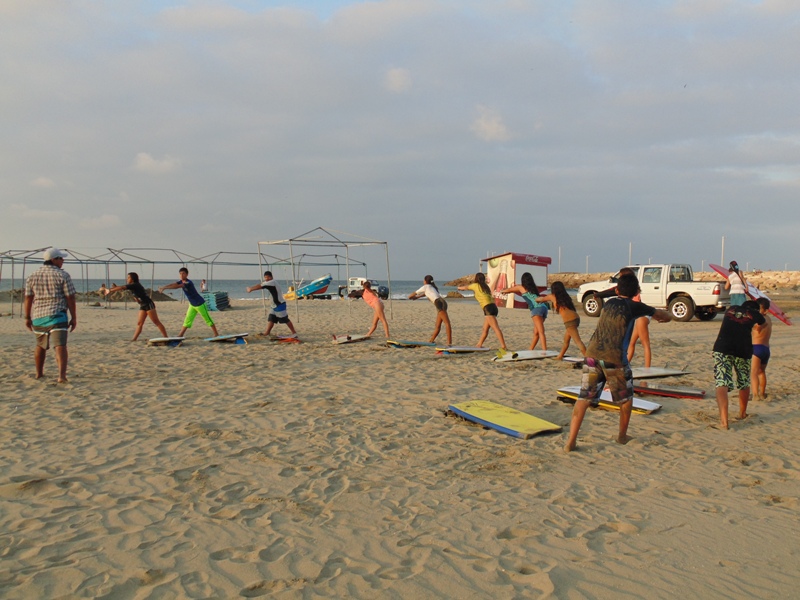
(147, 308)
(732, 353)
(606, 362)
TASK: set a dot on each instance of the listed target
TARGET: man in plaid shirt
(49, 294)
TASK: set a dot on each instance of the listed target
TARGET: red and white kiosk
(505, 270)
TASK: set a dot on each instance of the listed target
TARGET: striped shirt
(50, 287)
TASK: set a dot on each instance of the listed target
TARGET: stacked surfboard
(217, 300)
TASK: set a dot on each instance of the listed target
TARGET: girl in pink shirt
(370, 296)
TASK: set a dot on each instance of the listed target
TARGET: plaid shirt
(50, 287)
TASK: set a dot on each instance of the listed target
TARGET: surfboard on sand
(573, 359)
(755, 294)
(654, 372)
(233, 338)
(349, 339)
(408, 344)
(502, 418)
(172, 342)
(570, 394)
(461, 349)
(670, 391)
(509, 356)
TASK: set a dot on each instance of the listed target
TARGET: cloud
(43, 182)
(22, 211)
(397, 80)
(101, 222)
(489, 126)
(258, 120)
(145, 163)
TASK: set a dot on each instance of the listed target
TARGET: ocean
(236, 288)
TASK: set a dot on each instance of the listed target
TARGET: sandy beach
(314, 470)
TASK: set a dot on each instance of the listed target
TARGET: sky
(587, 131)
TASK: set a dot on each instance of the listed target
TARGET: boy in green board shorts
(197, 304)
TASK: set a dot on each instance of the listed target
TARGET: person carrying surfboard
(606, 362)
(431, 292)
(483, 294)
(374, 301)
(761, 352)
(529, 291)
(732, 353)
(737, 284)
(197, 304)
(147, 308)
(278, 314)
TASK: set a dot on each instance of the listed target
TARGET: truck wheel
(705, 314)
(681, 308)
(592, 306)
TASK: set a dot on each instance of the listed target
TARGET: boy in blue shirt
(197, 304)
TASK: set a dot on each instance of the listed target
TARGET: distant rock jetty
(763, 280)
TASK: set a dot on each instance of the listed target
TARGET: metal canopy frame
(321, 237)
(123, 257)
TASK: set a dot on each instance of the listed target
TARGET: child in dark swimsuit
(564, 306)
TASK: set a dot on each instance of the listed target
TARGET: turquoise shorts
(192, 313)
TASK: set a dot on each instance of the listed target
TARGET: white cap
(54, 252)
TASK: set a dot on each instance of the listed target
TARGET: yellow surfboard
(503, 418)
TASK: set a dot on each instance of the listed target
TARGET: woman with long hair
(563, 305)
(484, 297)
(529, 291)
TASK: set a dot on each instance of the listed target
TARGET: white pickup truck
(355, 286)
(669, 287)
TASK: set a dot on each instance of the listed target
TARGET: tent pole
(294, 281)
(260, 278)
(389, 280)
(347, 282)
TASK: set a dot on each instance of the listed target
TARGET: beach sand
(315, 470)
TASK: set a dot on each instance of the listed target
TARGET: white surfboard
(349, 338)
(640, 405)
(509, 356)
(461, 349)
(172, 342)
(233, 338)
(653, 372)
(408, 344)
(573, 359)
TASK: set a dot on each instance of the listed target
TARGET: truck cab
(667, 286)
(355, 286)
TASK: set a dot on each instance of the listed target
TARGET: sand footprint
(196, 585)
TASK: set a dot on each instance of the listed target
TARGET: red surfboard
(755, 294)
